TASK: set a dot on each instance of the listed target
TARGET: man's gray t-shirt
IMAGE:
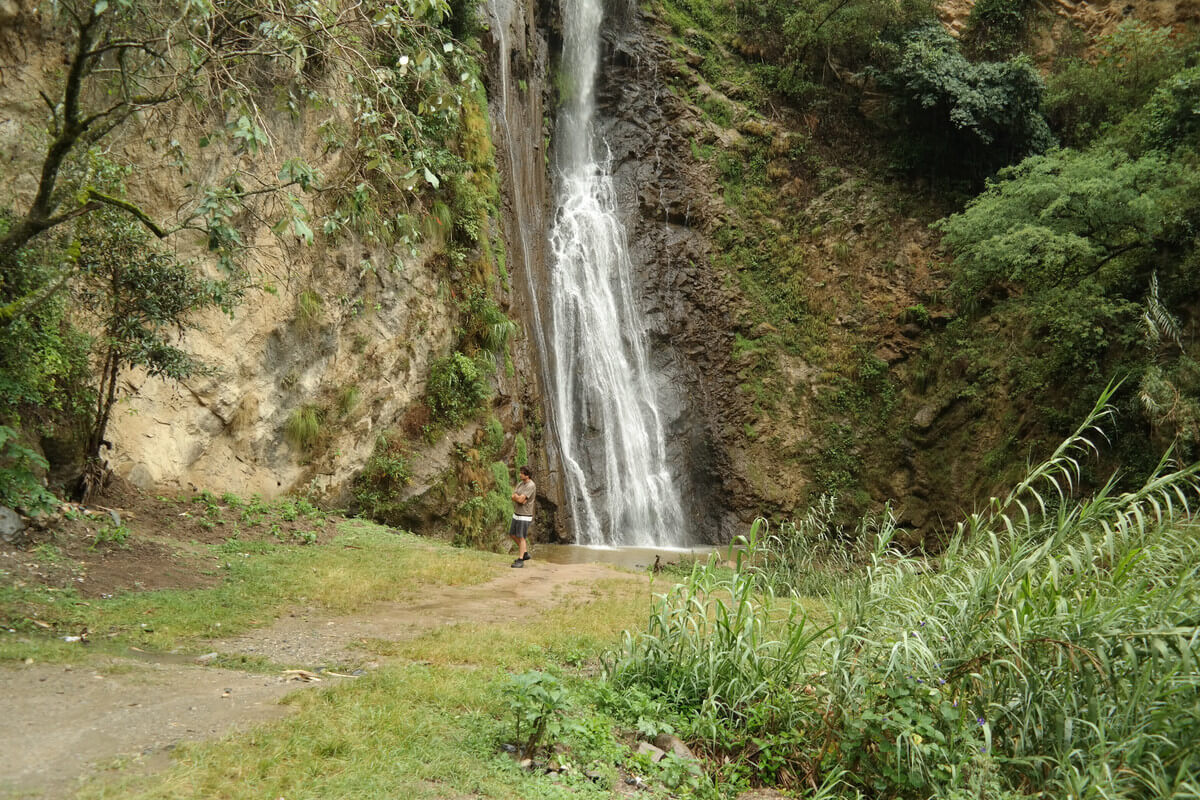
(529, 490)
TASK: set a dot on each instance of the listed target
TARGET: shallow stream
(639, 558)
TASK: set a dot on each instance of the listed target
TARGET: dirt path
(62, 723)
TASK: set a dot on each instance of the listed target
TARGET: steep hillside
(782, 197)
(332, 171)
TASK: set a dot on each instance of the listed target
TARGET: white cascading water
(607, 419)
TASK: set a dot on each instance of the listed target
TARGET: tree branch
(129, 208)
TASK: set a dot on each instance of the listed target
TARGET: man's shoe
(517, 563)
(527, 556)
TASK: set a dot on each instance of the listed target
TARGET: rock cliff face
(346, 328)
(520, 99)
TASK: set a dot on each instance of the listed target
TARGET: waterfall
(606, 416)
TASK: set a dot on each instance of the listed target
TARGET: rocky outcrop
(346, 327)
(519, 46)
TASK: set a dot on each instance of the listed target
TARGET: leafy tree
(140, 301)
(834, 38)
(1085, 257)
(1068, 217)
(962, 119)
(996, 28)
(1085, 97)
(1171, 119)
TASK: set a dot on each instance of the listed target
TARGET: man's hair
(527, 472)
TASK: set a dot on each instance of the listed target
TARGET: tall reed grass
(1051, 650)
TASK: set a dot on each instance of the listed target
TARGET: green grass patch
(430, 728)
(365, 563)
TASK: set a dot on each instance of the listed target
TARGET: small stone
(925, 417)
(655, 754)
(673, 744)
(12, 527)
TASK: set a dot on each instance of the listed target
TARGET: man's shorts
(519, 526)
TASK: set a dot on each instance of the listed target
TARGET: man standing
(522, 497)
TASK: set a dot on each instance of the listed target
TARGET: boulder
(673, 744)
(655, 753)
(12, 526)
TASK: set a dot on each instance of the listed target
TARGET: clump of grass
(520, 451)
(347, 399)
(814, 556)
(493, 439)
(718, 650)
(303, 427)
(309, 306)
(1051, 650)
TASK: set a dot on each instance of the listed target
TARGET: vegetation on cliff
(923, 360)
(236, 101)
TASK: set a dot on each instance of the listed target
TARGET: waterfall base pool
(629, 557)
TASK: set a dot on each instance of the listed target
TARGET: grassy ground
(432, 720)
(256, 580)
(431, 723)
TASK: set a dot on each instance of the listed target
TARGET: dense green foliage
(1051, 651)
(456, 390)
(19, 485)
(377, 488)
(1085, 98)
(961, 118)
(802, 39)
(997, 27)
(1087, 258)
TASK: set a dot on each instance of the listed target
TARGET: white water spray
(610, 434)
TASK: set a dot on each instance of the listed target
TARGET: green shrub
(486, 326)
(501, 478)
(799, 36)
(481, 519)
(377, 488)
(1173, 113)
(303, 427)
(493, 439)
(20, 486)
(111, 534)
(960, 119)
(1086, 97)
(457, 388)
(539, 703)
(996, 28)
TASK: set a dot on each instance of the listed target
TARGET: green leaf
(100, 7)
(302, 230)
(433, 181)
